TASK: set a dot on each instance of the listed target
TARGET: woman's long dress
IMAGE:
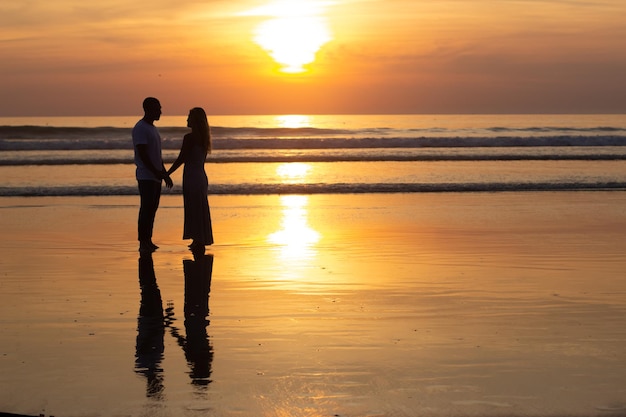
(195, 197)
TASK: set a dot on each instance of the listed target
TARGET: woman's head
(199, 124)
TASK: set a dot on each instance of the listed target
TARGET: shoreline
(324, 189)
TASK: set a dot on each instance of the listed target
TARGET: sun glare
(294, 32)
(295, 238)
(293, 120)
(293, 172)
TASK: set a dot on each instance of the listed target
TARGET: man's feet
(147, 246)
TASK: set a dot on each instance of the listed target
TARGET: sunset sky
(74, 58)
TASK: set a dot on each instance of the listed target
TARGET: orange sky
(73, 58)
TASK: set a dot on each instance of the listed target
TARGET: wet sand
(473, 304)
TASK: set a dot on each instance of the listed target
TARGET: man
(150, 171)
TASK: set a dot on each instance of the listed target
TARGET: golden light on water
(295, 237)
(293, 172)
(294, 32)
(293, 121)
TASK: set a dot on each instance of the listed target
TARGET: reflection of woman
(193, 154)
(196, 345)
(198, 350)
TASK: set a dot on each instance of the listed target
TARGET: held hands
(165, 176)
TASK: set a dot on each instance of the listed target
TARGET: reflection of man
(150, 329)
(198, 350)
(150, 171)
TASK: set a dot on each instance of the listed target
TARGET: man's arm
(166, 177)
(142, 151)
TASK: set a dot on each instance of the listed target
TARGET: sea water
(326, 153)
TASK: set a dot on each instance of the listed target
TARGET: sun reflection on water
(293, 120)
(296, 238)
(293, 172)
(295, 241)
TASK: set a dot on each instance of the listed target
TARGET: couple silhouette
(150, 173)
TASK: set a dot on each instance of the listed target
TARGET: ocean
(307, 154)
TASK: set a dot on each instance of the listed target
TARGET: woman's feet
(196, 246)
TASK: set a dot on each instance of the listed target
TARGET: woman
(196, 146)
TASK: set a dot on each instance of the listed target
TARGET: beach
(430, 304)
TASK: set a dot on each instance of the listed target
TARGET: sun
(292, 41)
(294, 32)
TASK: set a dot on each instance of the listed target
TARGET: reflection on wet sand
(295, 242)
(150, 329)
(196, 345)
(153, 321)
(296, 238)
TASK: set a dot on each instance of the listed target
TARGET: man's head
(151, 109)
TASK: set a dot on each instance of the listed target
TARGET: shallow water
(242, 178)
